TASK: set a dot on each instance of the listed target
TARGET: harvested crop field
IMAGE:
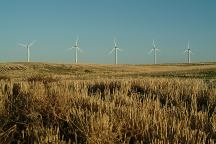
(62, 103)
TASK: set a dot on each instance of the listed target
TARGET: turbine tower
(27, 46)
(76, 47)
(116, 49)
(188, 51)
(154, 49)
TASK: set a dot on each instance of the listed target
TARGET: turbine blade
(150, 51)
(31, 44)
(115, 43)
(111, 51)
(188, 45)
(153, 43)
(23, 45)
(79, 49)
(119, 49)
(77, 40)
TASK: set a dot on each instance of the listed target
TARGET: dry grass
(57, 107)
(23, 71)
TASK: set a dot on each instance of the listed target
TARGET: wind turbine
(76, 47)
(116, 49)
(27, 46)
(154, 49)
(188, 51)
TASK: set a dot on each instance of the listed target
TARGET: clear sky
(55, 24)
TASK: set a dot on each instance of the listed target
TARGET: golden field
(63, 103)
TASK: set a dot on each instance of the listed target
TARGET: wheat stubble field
(63, 103)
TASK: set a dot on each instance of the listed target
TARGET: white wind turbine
(27, 46)
(154, 49)
(116, 49)
(188, 51)
(76, 47)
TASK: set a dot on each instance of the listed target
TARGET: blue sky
(55, 24)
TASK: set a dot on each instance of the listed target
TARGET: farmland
(87, 103)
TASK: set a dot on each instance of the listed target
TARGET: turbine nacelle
(154, 49)
(76, 43)
(116, 49)
(76, 47)
(27, 46)
(189, 52)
